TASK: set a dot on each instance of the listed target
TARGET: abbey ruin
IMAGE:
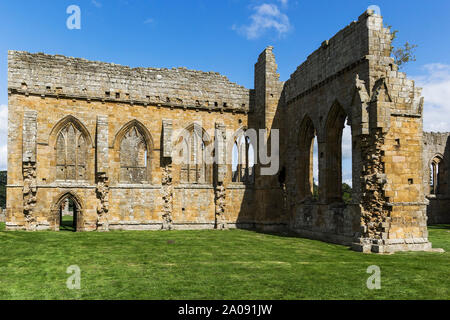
(105, 137)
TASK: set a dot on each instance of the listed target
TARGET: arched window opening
(250, 161)
(133, 157)
(437, 175)
(335, 146)
(234, 166)
(346, 162)
(243, 160)
(315, 169)
(71, 154)
(194, 167)
(308, 184)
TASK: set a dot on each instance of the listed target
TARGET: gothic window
(194, 167)
(437, 175)
(243, 160)
(306, 159)
(71, 154)
(133, 157)
(336, 123)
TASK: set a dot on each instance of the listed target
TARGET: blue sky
(223, 36)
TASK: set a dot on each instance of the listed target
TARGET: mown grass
(67, 224)
(210, 264)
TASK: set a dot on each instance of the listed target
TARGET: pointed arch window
(305, 173)
(437, 179)
(193, 153)
(243, 160)
(133, 156)
(71, 154)
(337, 120)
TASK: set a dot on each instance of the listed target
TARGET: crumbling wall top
(56, 74)
(349, 47)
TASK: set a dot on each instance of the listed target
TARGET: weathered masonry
(105, 135)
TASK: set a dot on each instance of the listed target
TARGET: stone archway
(334, 127)
(78, 211)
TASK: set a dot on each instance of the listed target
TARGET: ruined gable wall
(325, 79)
(354, 72)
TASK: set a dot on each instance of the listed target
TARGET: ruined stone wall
(353, 76)
(436, 145)
(49, 90)
(271, 211)
(324, 84)
(56, 75)
(97, 109)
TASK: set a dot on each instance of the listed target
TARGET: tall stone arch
(334, 126)
(305, 179)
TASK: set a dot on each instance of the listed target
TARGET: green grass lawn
(67, 224)
(210, 264)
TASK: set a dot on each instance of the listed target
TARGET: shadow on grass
(439, 226)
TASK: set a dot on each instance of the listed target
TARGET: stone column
(102, 179)
(220, 173)
(29, 133)
(167, 187)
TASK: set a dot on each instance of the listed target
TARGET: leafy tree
(402, 54)
(346, 193)
(315, 192)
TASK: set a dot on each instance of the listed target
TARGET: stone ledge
(391, 248)
(140, 102)
(193, 186)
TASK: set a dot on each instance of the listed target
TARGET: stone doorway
(68, 215)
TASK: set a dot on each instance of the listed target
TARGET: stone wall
(352, 78)
(436, 146)
(127, 205)
(121, 127)
(66, 77)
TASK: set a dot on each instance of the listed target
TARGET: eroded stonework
(105, 136)
(167, 190)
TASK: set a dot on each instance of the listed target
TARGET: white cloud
(3, 136)
(149, 20)
(265, 17)
(436, 91)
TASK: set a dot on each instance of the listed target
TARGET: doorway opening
(68, 214)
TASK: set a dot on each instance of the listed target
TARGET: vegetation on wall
(402, 54)
(346, 192)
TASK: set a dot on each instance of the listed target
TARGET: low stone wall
(332, 223)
